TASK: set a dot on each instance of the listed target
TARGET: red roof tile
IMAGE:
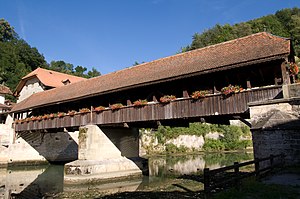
(5, 90)
(4, 106)
(48, 78)
(216, 57)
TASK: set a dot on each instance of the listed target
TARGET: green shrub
(213, 145)
(237, 144)
(246, 130)
(171, 148)
(231, 133)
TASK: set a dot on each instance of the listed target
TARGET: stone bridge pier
(93, 154)
(276, 126)
(106, 153)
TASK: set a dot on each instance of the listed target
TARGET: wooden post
(154, 98)
(215, 90)
(236, 174)
(206, 180)
(277, 81)
(185, 93)
(91, 119)
(248, 84)
(14, 131)
(285, 74)
(236, 168)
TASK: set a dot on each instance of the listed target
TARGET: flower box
(99, 108)
(140, 103)
(84, 110)
(167, 98)
(60, 114)
(45, 117)
(52, 115)
(230, 89)
(116, 106)
(71, 113)
(293, 68)
(199, 94)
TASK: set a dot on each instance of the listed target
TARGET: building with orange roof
(5, 105)
(42, 79)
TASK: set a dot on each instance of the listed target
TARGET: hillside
(285, 23)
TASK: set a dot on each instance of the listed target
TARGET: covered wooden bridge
(214, 82)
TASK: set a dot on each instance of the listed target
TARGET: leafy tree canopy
(63, 67)
(18, 58)
(285, 23)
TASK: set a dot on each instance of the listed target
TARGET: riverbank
(281, 183)
(189, 186)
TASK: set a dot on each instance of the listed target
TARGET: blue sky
(112, 34)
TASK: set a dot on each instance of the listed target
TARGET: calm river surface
(47, 181)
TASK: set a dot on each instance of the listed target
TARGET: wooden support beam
(285, 74)
(158, 123)
(277, 81)
(185, 93)
(215, 90)
(243, 120)
(125, 125)
(249, 84)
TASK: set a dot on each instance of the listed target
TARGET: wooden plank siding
(211, 105)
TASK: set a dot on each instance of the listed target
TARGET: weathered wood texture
(224, 177)
(181, 108)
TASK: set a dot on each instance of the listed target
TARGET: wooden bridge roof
(248, 50)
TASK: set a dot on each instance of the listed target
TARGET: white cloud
(20, 10)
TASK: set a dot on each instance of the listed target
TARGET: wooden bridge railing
(219, 178)
(211, 105)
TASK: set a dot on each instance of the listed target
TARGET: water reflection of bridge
(40, 181)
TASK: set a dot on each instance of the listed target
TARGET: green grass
(253, 189)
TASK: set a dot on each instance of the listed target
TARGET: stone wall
(277, 141)
(99, 158)
(125, 139)
(149, 143)
(6, 135)
(36, 147)
(276, 129)
(32, 86)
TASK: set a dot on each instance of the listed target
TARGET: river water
(47, 181)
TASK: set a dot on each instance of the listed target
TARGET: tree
(17, 58)
(7, 32)
(80, 71)
(61, 66)
(285, 23)
(93, 73)
(295, 32)
(270, 24)
(242, 30)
